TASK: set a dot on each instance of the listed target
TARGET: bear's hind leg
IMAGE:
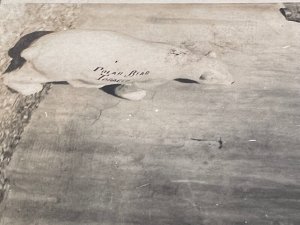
(130, 92)
(26, 80)
(26, 89)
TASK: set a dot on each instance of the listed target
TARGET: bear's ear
(211, 54)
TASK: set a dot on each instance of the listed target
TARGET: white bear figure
(94, 58)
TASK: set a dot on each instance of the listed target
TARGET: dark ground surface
(187, 154)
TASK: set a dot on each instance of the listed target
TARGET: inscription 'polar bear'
(93, 59)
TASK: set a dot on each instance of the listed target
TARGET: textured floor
(188, 153)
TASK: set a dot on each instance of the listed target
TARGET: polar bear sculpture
(93, 59)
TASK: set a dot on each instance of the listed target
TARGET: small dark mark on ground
(176, 52)
(197, 139)
(220, 143)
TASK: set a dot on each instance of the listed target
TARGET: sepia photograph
(149, 112)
